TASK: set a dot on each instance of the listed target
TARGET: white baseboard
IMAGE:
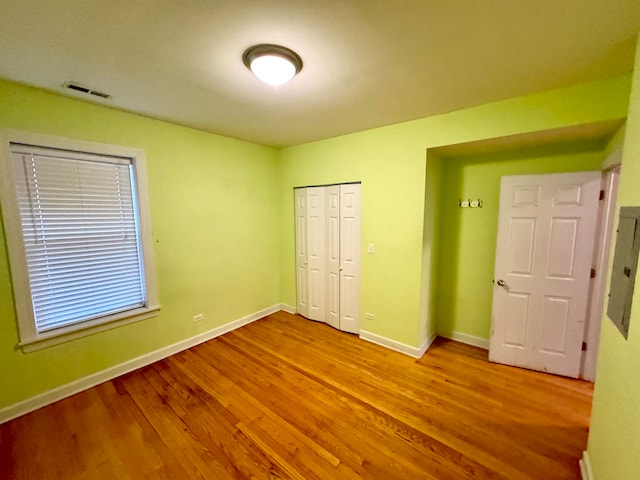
(585, 467)
(464, 338)
(77, 386)
(397, 346)
(288, 308)
(427, 343)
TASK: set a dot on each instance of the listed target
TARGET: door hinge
(601, 195)
(584, 346)
(593, 273)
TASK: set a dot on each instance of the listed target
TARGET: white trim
(288, 308)
(426, 344)
(601, 258)
(89, 328)
(397, 346)
(586, 472)
(77, 386)
(464, 338)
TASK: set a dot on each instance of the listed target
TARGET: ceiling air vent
(88, 91)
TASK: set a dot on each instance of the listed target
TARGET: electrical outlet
(198, 318)
(370, 316)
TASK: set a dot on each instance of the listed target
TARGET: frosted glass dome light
(273, 69)
(272, 64)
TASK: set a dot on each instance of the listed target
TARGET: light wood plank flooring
(285, 397)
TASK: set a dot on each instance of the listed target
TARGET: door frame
(601, 261)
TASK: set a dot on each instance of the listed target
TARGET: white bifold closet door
(332, 316)
(328, 255)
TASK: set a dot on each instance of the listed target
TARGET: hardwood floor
(285, 397)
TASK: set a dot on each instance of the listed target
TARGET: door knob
(502, 283)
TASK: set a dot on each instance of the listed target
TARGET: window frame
(30, 339)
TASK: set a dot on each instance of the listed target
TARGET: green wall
(215, 211)
(391, 163)
(468, 235)
(614, 436)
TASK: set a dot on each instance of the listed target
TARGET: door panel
(544, 253)
(516, 323)
(562, 248)
(521, 243)
(332, 194)
(316, 269)
(301, 251)
(350, 258)
(555, 320)
(526, 196)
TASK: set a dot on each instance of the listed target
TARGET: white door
(316, 260)
(301, 252)
(332, 195)
(350, 258)
(544, 252)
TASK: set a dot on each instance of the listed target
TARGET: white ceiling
(367, 63)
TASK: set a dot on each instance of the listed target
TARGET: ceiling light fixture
(272, 64)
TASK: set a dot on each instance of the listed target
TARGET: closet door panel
(350, 258)
(332, 194)
(316, 248)
(301, 252)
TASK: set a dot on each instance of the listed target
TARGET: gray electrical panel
(625, 264)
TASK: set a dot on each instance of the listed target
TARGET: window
(78, 237)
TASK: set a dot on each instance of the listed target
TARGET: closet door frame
(328, 254)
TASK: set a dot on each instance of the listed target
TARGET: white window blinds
(80, 228)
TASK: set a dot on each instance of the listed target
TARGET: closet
(328, 254)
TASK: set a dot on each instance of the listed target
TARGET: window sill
(62, 335)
